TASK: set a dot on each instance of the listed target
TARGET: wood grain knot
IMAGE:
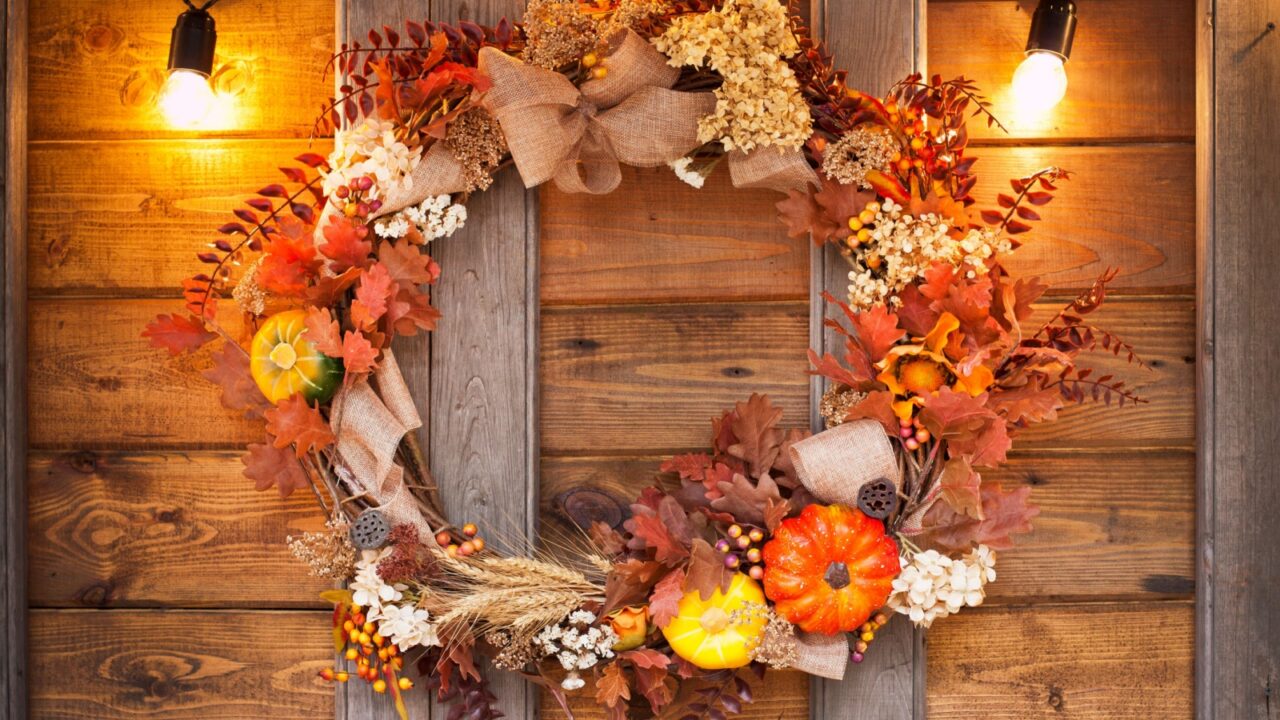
(162, 674)
(737, 372)
(83, 461)
(581, 344)
(582, 506)
(1057, 701)
(100, 39)
(98, 594)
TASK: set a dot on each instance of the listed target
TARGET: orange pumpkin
(828, 569)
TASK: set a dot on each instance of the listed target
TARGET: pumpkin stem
(837, 576)
(714, 620)
(284, 356)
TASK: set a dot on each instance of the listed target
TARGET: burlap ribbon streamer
(834, 465)
(577, 137)
(369, 425)
(772, 169)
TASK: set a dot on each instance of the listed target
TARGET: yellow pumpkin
(284, 363)
(708, 634)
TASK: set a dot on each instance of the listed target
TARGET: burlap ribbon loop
(834, 465)
(577, 137)
(369, 425)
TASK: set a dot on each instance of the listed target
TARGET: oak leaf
(407, 264)
(346, 244)
(177, 334)
(267, 465)
(650, 530)
(829, 367)
(803, 216)
(411, 311)
(664, 603)
(1003, 515)
(652, 679)
(328, 290)
(755, 425)
(878, 406)
(1027, 404)
(747, 500)
(775, 511)
(612, 689)
(230, 372)
(706, 571)
(960, 487)
(358, 354)
(294, 422)
(376, 288)
(630, 582)
(324, 332)
(952, 415)
(988, 448)
(288, 259)
(607, 540)
(876, 330)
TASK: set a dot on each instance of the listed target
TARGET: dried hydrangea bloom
(371, 148)
(933, 586)
(557, 33)
(865, 148)
(250, 296)
(745, 41)
(476, 141)
(902, 247)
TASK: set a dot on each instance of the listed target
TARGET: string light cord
(202, 8)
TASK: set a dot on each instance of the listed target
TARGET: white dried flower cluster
(371, 148)
(745, 41)
(368, 589)
(865, 148)
(684, 170)
(907, 246)
(933, 586)
(577, 643)
(403, 624)
(406, 626)
(435, 217)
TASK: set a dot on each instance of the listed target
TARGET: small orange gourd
(284, 362)
(828, 569)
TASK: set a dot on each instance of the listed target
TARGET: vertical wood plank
(13, 435)
(354, 19)
(889, 683)
(1240, 428)
(1204, 662)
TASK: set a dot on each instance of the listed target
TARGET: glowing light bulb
(186, 98)
(1040, 82)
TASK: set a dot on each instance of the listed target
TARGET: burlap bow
(578, 136)
(833, 466)
(369, 425)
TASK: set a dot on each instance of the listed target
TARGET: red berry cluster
(353, 194)
(376, 660)
(470, 546)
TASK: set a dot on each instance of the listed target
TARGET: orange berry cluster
(862, 225)
(865, 635)
(923, 154)
(472, 545)
(913, 434)
(376, 660)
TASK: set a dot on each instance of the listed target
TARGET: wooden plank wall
(1111, 633)
(159, 582)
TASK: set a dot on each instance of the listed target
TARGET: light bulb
(186, 98)
(1040, 82)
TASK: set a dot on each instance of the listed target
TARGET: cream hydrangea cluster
(933, 585)
(901, 247)
(434, 218)
(745, 41)
(371, 148)
(577, 643)
(402, 623)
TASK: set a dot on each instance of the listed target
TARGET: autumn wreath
(776, 548)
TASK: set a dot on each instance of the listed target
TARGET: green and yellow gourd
(284, 362)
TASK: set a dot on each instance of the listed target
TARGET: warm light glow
(1039, 82)
(186, 98)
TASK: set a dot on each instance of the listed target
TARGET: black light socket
(1053, 27)
(192, 43)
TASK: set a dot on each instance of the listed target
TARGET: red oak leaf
(960, 485)
(606, 539)
(1003, 515)
(828, 367)
(328, 290)
(916, 314)
(706, 571)
(630, 582)
(324, 332)
(691, 467)
(988, 448)
(612, 689)
(288, 259)
(267, 465)
(358, 354)
(411, 312)
(407, 264)
(803, 216)
(230, 371)
(375, 289)
(755, 425)
(664, 603)
(876, 330)
(294, 422)
(646, 658)
(938, 279)
(747, 500)
(177, 334)
(652, 679)
(346, 243)
(1027, 404)
(876, 406)
(953, 416)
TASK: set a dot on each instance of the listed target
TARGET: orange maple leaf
(295, 422)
